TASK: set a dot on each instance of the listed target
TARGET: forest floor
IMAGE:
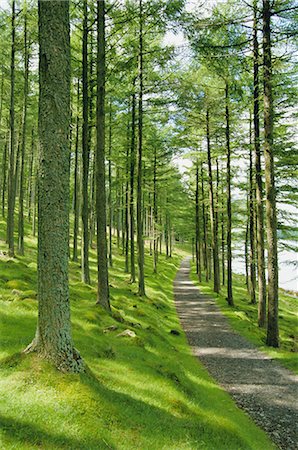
(259, 385)
(142, 392)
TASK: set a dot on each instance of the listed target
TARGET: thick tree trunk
(259, 183)
(85, 152)
(11, 170)
(24, 132)
(140, 240)
(272, 325)
(53, 337)
(229, 205)
(214, 241)
(102, 265)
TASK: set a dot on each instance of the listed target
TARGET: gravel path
(264, 389)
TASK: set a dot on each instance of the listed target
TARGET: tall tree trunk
(110, 188)
(140, 240)
(4, 172)
(102, 272)
(259, 183)
(229, 205)
(272, 325)
(132, 176)
(198, 231)
(24, 130)
(205, 233)
(11, 170)
(53, 337)
(252, 255)
(223, 262)
(30, 176)
(214, 242)
(155, 215)
(76, 184)
(126, 268)
(85, 152)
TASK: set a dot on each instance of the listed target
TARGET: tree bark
(252, 255)
(259, 182)
(76, 184)
(140, 240)
(214, 241)
(229, 205)
(132, 176)
(198, 231)
(102, 265)
(85, 152)
(53, 337)
(24, 131)
(11, 170)
(110, 189)
(272, 325)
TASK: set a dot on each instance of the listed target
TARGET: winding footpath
(259, 385)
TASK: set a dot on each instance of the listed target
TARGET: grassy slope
(142, 393)
(243, 318)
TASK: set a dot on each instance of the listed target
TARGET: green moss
(143, 393)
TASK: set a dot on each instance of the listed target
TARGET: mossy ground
(147, 392)
(244, 319)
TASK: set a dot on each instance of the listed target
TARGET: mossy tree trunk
(53, 337)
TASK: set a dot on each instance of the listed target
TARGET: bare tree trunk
(11, 170)
(198, 231)
(205, 247)
(132, 176)
(110, 189)
(85, 152)
(155, 215)
(259, 183)
(214, 242)
(229, 205)
(4, 172)
(53, 337)
(76, 184)
(272, 325)
(102, 272)
(24, 130)
(140, 240)
(252, 255)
